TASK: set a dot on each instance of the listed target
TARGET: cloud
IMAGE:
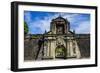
(84, 27)
(79, 23)
(27, 16)
(39, 25)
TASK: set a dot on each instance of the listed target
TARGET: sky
(39, 22)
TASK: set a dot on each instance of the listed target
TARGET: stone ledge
(47, 58)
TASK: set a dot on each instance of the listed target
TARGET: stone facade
(58, 43)
(67, 45)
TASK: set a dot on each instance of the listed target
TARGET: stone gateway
(59, 43)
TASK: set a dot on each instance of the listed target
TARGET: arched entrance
(60, 52)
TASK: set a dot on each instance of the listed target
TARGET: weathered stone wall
(32, 52)
(84, 45)
(31, 48)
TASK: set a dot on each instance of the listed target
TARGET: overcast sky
(38, 22)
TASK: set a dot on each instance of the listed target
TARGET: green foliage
(59, 51)
(26, 29)
(35, 37)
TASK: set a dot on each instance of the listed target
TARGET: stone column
(71, 48)
(68, 47)
(48, 49)
(53, 46)
(78, 54)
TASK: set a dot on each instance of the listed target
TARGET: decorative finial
(73, 31)
(45, 31)
(60, 15)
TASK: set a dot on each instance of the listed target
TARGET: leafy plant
(59, 51)
(26, 29)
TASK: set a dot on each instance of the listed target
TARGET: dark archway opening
(60, 52)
